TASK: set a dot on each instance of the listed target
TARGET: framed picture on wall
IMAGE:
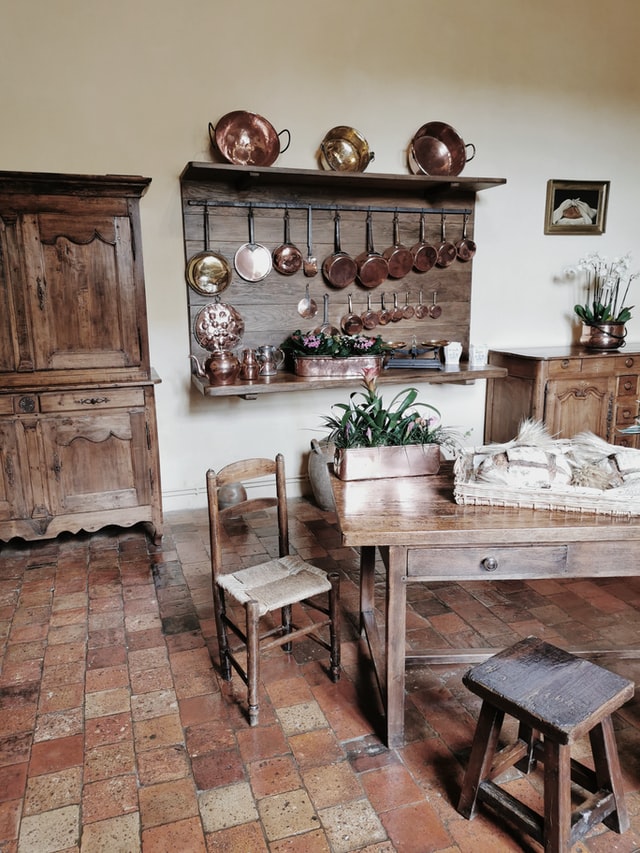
(576, 207)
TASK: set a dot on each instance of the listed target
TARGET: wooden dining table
(423, 535)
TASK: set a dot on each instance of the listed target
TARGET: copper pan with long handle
(424, 254)
(208, 272)
(287, 258)
(399, 257)
(339, 269)
(447, 252)
(373, 267)
(465, 247)
(253, 260)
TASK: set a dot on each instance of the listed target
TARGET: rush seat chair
(265, 589)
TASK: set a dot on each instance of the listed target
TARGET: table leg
(367, 580)
(395, 642)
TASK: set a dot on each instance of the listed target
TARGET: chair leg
(253, 659)
(608, 775)
(557, 797)
(219, 609)
(334, 627)
(286, 625)
(483, 749)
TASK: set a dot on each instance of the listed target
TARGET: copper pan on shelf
(247, 139)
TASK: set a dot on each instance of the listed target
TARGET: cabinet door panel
(13, 482)
(573, 406)
(96, 461)
(81, 291)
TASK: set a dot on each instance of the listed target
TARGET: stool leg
(557, 797)
(286, 625)
(530, 737)
(483, 749)
(608, 775)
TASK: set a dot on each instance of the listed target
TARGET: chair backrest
(272, 472)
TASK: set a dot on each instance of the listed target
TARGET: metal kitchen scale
(426, 355)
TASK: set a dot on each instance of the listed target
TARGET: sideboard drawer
(486, 563)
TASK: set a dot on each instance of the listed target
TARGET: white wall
(543, 89)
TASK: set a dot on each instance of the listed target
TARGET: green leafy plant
(336, 346)
(607, 284)
(366, 421)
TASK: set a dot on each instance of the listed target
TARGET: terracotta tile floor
(117, 735)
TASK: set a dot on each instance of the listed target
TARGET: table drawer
(486, 562)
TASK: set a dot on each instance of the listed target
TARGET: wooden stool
(557, 699)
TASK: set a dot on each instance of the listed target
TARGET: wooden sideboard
(216, 199)
(78, 436)
(571, 389)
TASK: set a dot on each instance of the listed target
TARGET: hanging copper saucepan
(447, 252)
(399, 258)
(247, 139)
(422, 310)
(370, 317)
(424, 254)
(287, 258)
(339, 269)
(438, 149)
(384, 316)
(465, 247)
(253, 260)
(208, 272)
(351, 323)
(373, 268)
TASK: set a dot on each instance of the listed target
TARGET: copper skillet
(447, 252)
(465, 247)
(208, 272)
(424, 254)
(287, 258)
(339, 269)
(247, 139)
(373, 267)
(399, 258)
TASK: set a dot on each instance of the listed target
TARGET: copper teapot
(221, 368)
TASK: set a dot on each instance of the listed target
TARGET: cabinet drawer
(625, 415)
(627, 363)
(487, 563)
(627, 386)
(92, 399)
(563, 366)
(6, 405)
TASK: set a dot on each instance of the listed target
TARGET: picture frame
(576, 207)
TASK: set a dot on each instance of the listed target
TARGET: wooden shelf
(244, 177)
(284, 382)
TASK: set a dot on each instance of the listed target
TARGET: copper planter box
(321, 365)
(373, 463)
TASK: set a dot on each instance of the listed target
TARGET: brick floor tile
(220, 767)
(182, 835)
(109, 729)
(162, 765)
(157, 732)
(116, 833)
(114, 759)
(314, 748)
(167, 802)
(52, 755)
(244, 836)
(262, 742)
(53, 790)
(109, 798)
(49, 831)
(273, 776)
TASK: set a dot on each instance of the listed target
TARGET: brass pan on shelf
(208, 272)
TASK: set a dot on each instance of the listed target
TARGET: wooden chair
(557, 698)
(271, 586)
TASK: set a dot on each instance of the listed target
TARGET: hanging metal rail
(293, 205)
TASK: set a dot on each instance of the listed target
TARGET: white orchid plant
(607, 283)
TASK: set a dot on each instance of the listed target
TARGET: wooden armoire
(78, 434)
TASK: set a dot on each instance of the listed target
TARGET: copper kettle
(221, 368)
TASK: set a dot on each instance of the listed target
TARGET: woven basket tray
(467, 490)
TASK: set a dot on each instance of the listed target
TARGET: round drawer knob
(489, 564)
